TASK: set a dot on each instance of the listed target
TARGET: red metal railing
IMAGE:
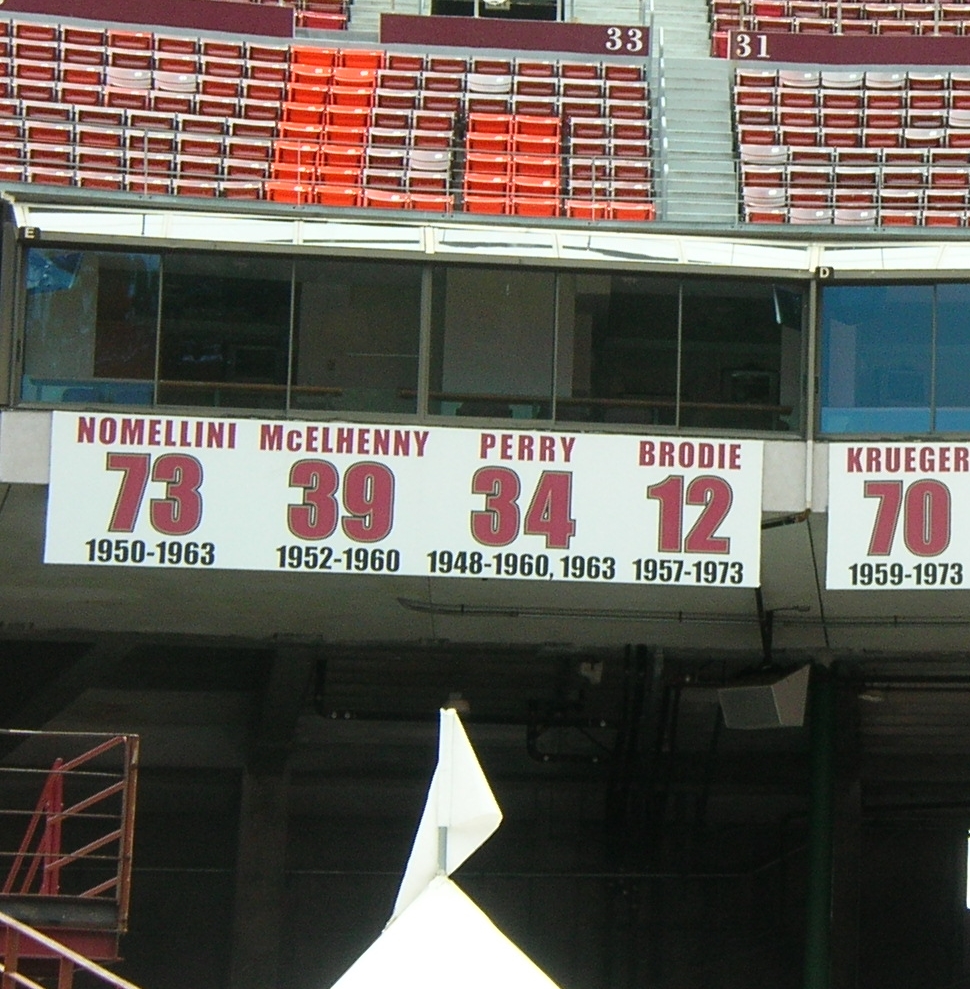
(78, 839)
(18, 942)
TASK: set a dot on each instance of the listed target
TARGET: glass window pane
(618, 349)
(225, 331)
(357, 330)
(90, 326)
(492, 345)
(876, 355)
(741, 359)
(953, 358)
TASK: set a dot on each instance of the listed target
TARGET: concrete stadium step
(683, 28)
(699, 180)
(677, 113)
(702, 128)
(698, 175)
(716, 155)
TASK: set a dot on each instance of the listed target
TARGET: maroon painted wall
(205, 15)
(838, 49)
(489, 32)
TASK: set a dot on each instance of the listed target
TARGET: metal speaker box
(780, 704)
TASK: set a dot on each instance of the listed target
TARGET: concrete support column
(260, 878)
(847, 839)
(263, 818)
(818, 906)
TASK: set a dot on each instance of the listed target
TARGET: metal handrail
(15, 934)
(38, 864)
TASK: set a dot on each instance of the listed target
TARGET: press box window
(492, 342)
(700, 353)
(894, 358)
(357, 330)
(225, 331)
(90, 326)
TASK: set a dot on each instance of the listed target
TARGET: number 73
(178, 513)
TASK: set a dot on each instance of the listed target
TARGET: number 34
(615, 39)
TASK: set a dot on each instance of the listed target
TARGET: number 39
(615, 39)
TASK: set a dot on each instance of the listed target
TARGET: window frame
(902, 278)
(680, 274)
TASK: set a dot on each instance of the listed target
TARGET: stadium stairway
(698, 180)
(698, 176)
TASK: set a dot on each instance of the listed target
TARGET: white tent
(437, 937)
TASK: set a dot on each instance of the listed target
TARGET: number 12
(715, 496)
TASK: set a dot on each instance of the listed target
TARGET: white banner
(891, 518)
(417, 500)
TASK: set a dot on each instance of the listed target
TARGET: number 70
(925, 510)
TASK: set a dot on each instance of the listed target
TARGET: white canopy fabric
(460, 813)
(437, 937)
(443, 941)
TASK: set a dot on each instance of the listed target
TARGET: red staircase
(24, 950)
(70, 875)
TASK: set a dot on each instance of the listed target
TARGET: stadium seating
(887, 147)
(898, 17)
(169, 114)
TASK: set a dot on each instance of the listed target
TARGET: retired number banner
(892, 522)
(440, 501)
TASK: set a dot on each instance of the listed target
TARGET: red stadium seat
(300, 55)
(50, 176)
(175, 44)
(100, 180)
(383, 199)
(241, 190)
(289, 192)
(476, 203)
(632, 212)
(488, 142)
(404, 62)
(430, 202)
(332, 195)
(151, 186)
(447, 63)
(359, 58)
(534, 205)
(944, 218)
(317, 21)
